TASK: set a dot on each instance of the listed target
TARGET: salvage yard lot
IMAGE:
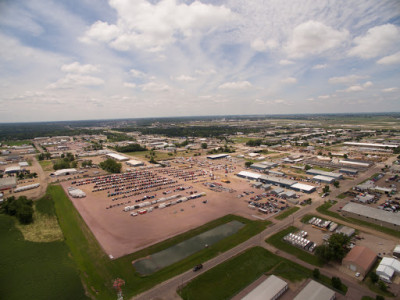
(97, 269)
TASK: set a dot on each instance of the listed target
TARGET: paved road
(167, 289)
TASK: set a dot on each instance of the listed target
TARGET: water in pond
(186, 248)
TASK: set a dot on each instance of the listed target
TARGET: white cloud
(129, 85)
(155, 87)
(137, 73)
(390, 60)
(206, 72)
(377, 41)
(285, 62)
(319, 67)
(261, 46)
(142, 24)
(345, 79)
(368, 84)
(185, 78)
(237, 85)
(324, 97)
(289, 80)
(354, 88)
(313, 37)
(78, 68)
(71, 80)
(390, 90)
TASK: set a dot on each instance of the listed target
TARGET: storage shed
(270, 289)
(360, 259)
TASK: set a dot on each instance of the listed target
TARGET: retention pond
(186, 248)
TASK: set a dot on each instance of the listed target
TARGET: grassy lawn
(47, 165)
(277, 241)
(286, 213)
(229, 278)
(324, 209)
(306, 218)
(32, 270)
(98, 271)
(17, 143)
(322, 168)
(341, 196)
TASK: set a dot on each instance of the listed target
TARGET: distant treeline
(130, 148)
(195, 131)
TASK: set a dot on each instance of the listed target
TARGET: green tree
(326, 189)
(111, 166)
(316, 273)
(307, 167)
(336, 283)
(336, 183)
(247, 164)
(204, 145)
(379, 297)
(345, 156)
(374, 277)
(382, 286)
(25, 214)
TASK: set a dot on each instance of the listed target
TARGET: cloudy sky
(95, 59)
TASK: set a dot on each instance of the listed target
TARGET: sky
(98, 59)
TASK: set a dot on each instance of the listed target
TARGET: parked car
(197, 267)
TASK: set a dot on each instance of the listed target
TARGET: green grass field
(98, 271)
(31, 270)
(286, 213)
(47, 165)
(277, 241)
(229, 278)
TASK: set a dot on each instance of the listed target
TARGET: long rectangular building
(370, 145)
(270, 289)
(325, 173)
(277, 181)
(116, 156)
(372, 215)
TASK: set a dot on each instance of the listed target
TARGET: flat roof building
(270, 289)
(283, 182)
(64, 172)
(325, 173)
(323, 179)
(387, 268)
(315, 291)
(217, 156)
(370, 145)
(348, 171)
(134, 163)
(249, 175)
(301, 187)
(360, 259)
(373, 215)
(116, 156)
(8, 183)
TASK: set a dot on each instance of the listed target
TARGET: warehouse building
(355, 163)
(64, 172)
(270, 289)
(301, 187)
(324, 173)
(370, 145)
(396, 251)
(134, 163)
(348, 171)
(217, 156)
(372, 215)
(315, 291)
(360, 259)
(262, 166)
(323, 179)
(117, 157)
(283, 182)
(8, 183)
(12, 170)
(387, 268)
(249, 175)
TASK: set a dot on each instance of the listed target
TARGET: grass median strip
(229, 278)
(277, 241)
(287, 213)
(98, 271)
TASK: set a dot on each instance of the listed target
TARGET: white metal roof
(267, 290)
(12, 169)
(373, 213)
(117, 156)
(133, 162)
(391, 263)
(370, 145)
(315, 291)
(323, 178)
(303, 187)
(249, 174)
(64, 171)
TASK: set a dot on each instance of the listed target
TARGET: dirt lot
(120, 234)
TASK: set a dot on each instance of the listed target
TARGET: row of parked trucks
(160, 203)
(323, 224)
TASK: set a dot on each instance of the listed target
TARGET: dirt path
(44, 180)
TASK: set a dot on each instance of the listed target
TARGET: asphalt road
(167, 289)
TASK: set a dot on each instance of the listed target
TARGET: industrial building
(387, 268)
(324, 173)
(360, 259)
(217, 156)
(117, 157)
(348, 171)
(301, 187)
(354, 163)
(12, 170)
(396, 251)
(134, 163)
(372, 215)
(315, 291)
(323, 179)
(283, 182)
(8, 183)
(64, 172)
(346, 230)
(370, 145)
(262, 166)
(249, 175)
(270, 289)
